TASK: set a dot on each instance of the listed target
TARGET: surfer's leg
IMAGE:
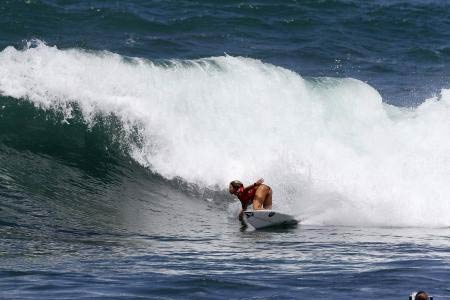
(261, 196)
(268, 200)
(258, 202)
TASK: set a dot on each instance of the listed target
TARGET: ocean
(122, 123)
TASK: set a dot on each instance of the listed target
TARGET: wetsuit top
(247, 196)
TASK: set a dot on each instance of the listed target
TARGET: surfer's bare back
(258, 194)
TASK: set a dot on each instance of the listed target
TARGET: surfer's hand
(259, 182)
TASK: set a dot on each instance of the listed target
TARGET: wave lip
(332, 150)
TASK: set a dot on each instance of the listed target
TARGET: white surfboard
(267, 218)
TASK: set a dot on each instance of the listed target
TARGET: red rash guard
(247, 196)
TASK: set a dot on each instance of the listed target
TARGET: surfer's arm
(241, 214)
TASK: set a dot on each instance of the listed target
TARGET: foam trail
(332, 150)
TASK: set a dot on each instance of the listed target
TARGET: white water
(331, 150)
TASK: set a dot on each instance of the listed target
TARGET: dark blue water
(121, 123)
(400, 47)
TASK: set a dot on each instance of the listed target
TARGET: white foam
(333, 152)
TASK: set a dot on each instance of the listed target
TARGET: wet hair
(236, 184)
(421, 295)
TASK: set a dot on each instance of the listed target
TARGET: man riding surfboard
(257, 194)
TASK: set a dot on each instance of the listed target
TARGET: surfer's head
(234, 186)
(421, 295)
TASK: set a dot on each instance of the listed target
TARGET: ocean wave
(332, 150)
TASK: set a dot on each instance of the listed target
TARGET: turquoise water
(121, 124)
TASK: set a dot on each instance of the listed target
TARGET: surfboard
(268, 218)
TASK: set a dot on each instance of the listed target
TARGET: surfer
(257, 194)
